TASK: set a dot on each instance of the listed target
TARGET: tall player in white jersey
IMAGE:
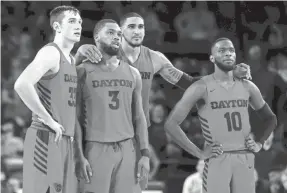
(222, 104)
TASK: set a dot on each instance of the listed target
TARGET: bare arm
(171, 74)
(78, 145)
(172, 126)
(141, 131)
(263, 110)
(40, 66)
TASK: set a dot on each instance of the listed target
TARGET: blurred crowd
(183, 31)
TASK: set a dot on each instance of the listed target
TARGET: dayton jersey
(145, 66)
(224, 116)
(57, 94)
(107, 104)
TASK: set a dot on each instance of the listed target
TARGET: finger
(86, 176)
(89, 170)
(96, 50)
(57, 135)
(91, 55)
(217, 151)
(60, 137)
(63, 129)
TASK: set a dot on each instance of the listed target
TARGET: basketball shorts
(48, 167)
(229, 172)
(113, 166)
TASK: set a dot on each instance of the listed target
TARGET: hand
(242, 71)
(58, 128)
(83, 169)
(211, 151)
(143, 172)
(89, 52)
(252, 145)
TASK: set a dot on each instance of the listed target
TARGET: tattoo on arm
(170, 73)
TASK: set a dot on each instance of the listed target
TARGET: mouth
(228, 60)
(116, 44)
(137, 38)
(77, 33)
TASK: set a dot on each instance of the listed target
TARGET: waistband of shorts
(109, 143)
(43, 127)
(240, 151)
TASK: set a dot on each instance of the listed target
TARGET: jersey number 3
(233, 121)
(115, 102)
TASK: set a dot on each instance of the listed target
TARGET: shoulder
(135, 72)
(49, 52)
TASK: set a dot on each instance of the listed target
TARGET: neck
(65, 46)
(129, 50)
(108, 59)
(222, 75)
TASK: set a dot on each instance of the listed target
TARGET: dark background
(183, 31)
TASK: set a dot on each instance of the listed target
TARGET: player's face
(109, 38)
(71, 26)
(224, 55)
(133, 31)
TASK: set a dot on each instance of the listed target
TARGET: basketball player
(110, 103)
(222, 104)
(147, 61)
(48, 87)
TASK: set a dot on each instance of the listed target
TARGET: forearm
(181, 139)
(141, 136)
(31, 99)
(269, 122)
(186, 80)
(78, 144)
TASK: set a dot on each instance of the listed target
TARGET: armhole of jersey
(130, 69)
(149, 55)
(51, 76)
(206, 101)
(82, 79)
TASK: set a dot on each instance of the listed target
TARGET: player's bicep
(170, 73)
(47, 59)
(192, 95)
(256, 100)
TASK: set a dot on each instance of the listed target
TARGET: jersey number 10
(233, 121)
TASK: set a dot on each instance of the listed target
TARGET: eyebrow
(73, 18)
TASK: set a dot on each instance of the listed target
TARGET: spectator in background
(197, 23)
(157, 135)
(13, 186)
(284, 179)
(276, 185)
(193, 183)
(11, 146)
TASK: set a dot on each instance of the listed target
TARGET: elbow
(17, 86)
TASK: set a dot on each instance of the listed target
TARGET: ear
(57, 26)
(96, 37)
(211, 58)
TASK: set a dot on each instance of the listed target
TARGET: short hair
(57, 13)
(101, 24)
(129, 15)
(218, 40)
